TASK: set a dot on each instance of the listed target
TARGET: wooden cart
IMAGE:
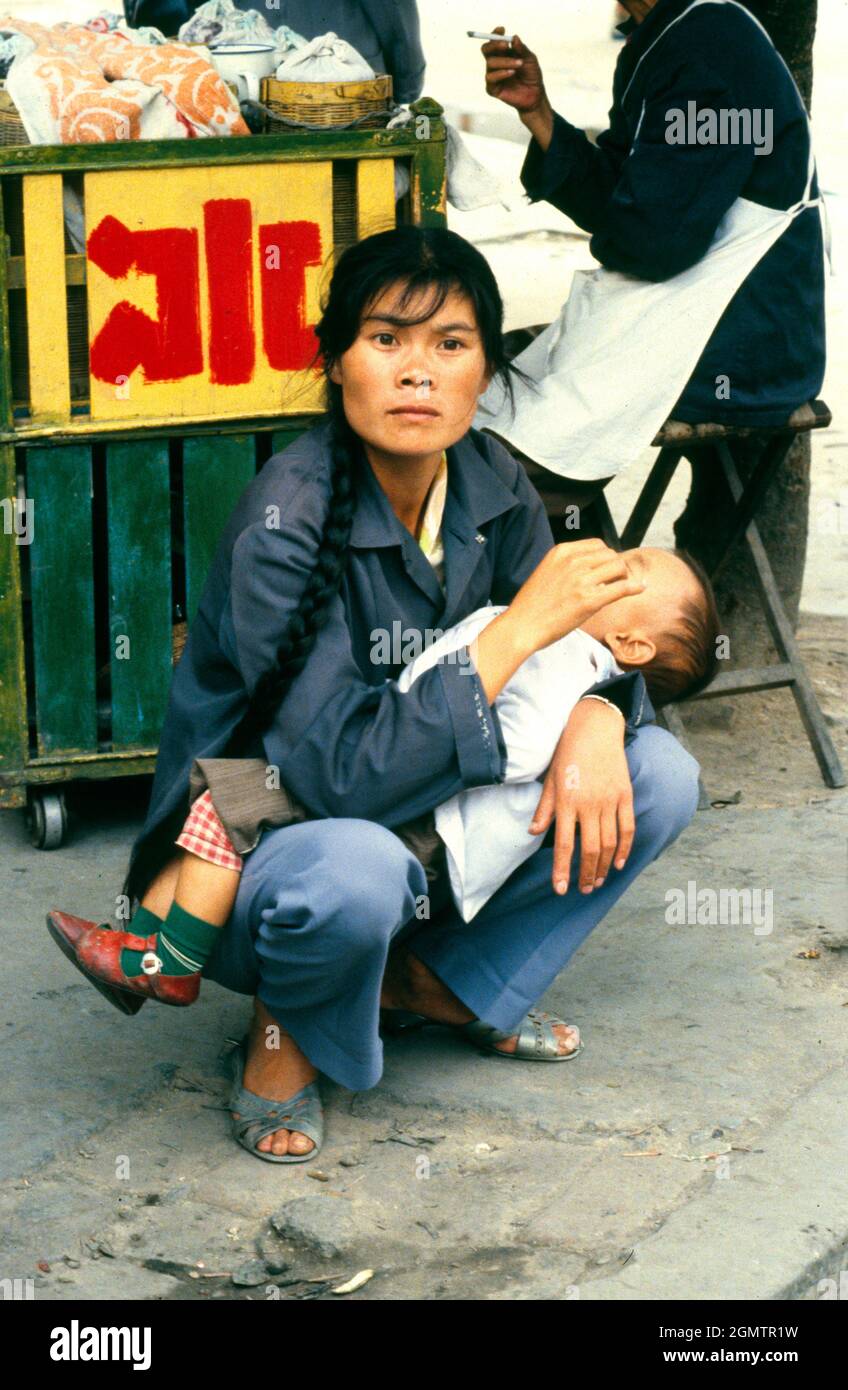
(143, 383)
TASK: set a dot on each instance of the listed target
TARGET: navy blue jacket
(346, 740)
(653, 208)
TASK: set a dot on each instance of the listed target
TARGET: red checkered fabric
(204, 835)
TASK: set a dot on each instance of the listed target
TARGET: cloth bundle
(12, 46)
(107, 21)
(326, 58)
(80, 85)
(219, 21)
(470, 184)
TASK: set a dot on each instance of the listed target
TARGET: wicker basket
(326, 104)
(12, 131)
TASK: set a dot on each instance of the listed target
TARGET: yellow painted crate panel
(203, 288)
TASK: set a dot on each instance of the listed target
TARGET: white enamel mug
(245, 64)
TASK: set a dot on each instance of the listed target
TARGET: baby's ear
(631, 648)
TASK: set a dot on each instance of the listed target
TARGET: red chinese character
(229, 272)
(285, 250)
(169, 347)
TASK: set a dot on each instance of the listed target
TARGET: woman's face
(413, 390)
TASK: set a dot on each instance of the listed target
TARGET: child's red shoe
(95, 949)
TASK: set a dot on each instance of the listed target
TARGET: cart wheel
(48, 819)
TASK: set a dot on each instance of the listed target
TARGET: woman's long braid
(316, 600)
(292, 653)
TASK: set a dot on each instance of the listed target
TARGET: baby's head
(669, 630)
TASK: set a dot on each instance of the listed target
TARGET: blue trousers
(320, 902)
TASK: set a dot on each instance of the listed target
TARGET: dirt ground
(755, 745)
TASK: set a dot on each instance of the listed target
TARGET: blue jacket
(653, 208)
(347, 741)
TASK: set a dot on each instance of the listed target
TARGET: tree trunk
(783, 517)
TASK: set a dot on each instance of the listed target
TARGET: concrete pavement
(695, 1149)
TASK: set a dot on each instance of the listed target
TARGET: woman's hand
(588, 785)
(570, 583)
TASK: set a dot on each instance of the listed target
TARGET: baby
(667, 631)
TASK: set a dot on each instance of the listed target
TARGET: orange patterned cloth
(79, 85)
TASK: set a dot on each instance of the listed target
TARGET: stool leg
(650, 497)
(754, 490)
(787, 647)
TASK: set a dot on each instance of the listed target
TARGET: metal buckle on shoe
(151, 964)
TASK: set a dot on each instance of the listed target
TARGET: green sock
(184, 943)
(143, 923)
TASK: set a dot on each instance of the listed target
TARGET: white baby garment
(485, 828)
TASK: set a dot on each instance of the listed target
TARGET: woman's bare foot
(409, 984)
(276, 1073)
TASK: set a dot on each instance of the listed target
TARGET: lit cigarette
(490, 38)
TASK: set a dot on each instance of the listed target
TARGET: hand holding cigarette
(513, 74)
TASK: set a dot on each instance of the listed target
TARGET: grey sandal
(537, 1041)
(258, 1117)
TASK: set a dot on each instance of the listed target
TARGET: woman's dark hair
(426, 261)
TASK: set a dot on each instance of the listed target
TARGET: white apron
(610, 368)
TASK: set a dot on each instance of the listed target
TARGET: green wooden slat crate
(216, 470)
(281, 439)
(14, 736)
(70, 623)
(62, 591)
(139, 531)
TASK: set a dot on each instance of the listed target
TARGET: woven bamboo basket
(326, 104)
(12, 130)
